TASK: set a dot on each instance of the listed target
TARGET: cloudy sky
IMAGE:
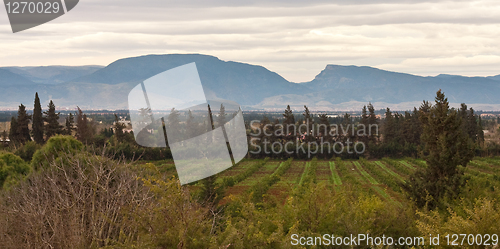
(293, 38)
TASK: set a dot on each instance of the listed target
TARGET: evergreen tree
(68, 128)
(324, 123)
(289, 119)
(445, 148)
(289, 123)
(221, 119)
(389, 127)
(14, 131)
(346, 127)
(309, 123)
(480, 132)
(52, 127)
(372, 120)
(83, 129)
(37, 126)
(118, 127)
(23, 120)
(365, 122)
(472, 129)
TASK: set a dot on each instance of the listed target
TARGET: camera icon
(205, 135)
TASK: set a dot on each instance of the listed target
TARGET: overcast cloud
(293, 38)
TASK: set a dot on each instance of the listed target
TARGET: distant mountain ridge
(53, 74)
(253, 86)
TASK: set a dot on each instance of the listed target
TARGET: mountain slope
(338, 84)
(53, 74)
(8, 78)
(247, 84)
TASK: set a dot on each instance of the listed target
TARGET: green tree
(445, 148)
(38, 124)
(12, 169)
(84, 131)
(365, 122)
(68, 128)
(288, 115)
(389, 127)
(23, 120)
(14, 131)
(118, 127)
(324, 127)
(372, 120)
(308, 119)
(52, 118)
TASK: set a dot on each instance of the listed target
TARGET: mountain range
(254, 87)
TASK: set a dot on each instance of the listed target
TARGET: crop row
(383, 174)
(309, 175)
(230, 181)
(261, 187)
(399, 166)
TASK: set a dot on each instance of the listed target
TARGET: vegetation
(96, 188)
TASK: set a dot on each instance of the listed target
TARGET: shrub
(55, 146)
(12, 169)
(27, 150)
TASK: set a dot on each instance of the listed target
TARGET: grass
(365, 174)
(392, 173)
(335, 176)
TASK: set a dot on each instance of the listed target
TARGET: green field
(379, 177)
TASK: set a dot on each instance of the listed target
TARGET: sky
(295, 39)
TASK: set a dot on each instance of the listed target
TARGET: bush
(12, 169)
(482, 217)
(27, 150)
(50, 151)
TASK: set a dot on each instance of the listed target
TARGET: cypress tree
(52, 118)
(309, 123)
(23, 120)
(372, 120)
(288, 123)
(13, 132)
(37, 126)
(221, 119)
(83, 132)
(480, 132)
(68, 128)
(365, 122)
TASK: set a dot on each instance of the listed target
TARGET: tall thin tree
(23, 120)
(37, 127)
